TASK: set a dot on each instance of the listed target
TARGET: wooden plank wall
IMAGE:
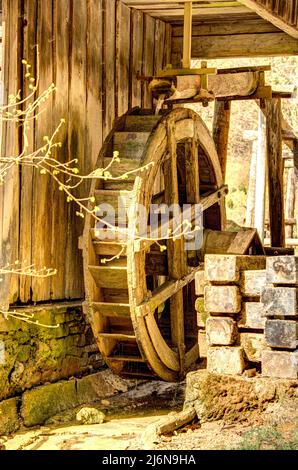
(10, 194)
(246, 38)
(92, 50)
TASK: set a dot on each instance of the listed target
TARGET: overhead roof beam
(271, 16)
(171, 10)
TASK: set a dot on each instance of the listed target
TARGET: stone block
(43, 402)
(9, 420)
(282, 270)
(221, 268)
(200, 282)
(203, 347)
(222, 299)
(252, 315)
(253, 345)
(279, 301)
(281, 334)
(227, 268)
(225, 360)
(252, 282)
(280, 364)
(221, 331)
(103, 384)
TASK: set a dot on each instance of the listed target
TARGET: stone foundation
(39, 404)
(247, 308)
(231, 398)
(32, 355)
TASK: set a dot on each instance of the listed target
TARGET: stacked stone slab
(230, 321)
(279, 304)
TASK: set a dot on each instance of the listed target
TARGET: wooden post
(290, 201)
(275, 171)
(187, 33)
(251, 192)
(10, 145)
(260, 196)
(221, 127)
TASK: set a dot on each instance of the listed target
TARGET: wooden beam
(275, 171)
(216, 197)
(289, 136)
(170, 10)
(268, 15)
(288, 242)
(164, 4)
(259, 216)
(227, 27)
(163, 293)
(273, 251)
(189, 85)
(192, 177)
(238, 45)
(187, 32)
(221, 127)
(251, 192)
(10, 191)
(290, 201)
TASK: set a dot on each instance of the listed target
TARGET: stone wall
(31, 355)
(41, 404)
(279, 300)
(247, 315)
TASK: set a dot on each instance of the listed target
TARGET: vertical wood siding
(285, 9)
(92, 50)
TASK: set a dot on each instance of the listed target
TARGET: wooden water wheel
(141, 303)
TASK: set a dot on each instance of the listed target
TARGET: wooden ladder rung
(112, 248)
(140, 374)
(118, 336)
(141, 123)
(109, 309)
(110, 235)
(110, 276)
(115, 198)
(126, 358)
(130, 145)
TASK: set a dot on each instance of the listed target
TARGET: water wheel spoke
(177, 261)
(190, 213)
(161, 294)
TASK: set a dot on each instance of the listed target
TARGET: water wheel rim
(164, 360)
(148, 350)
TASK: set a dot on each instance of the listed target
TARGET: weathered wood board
(92, 51)
(275, 172)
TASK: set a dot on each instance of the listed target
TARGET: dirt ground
(128, 415)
